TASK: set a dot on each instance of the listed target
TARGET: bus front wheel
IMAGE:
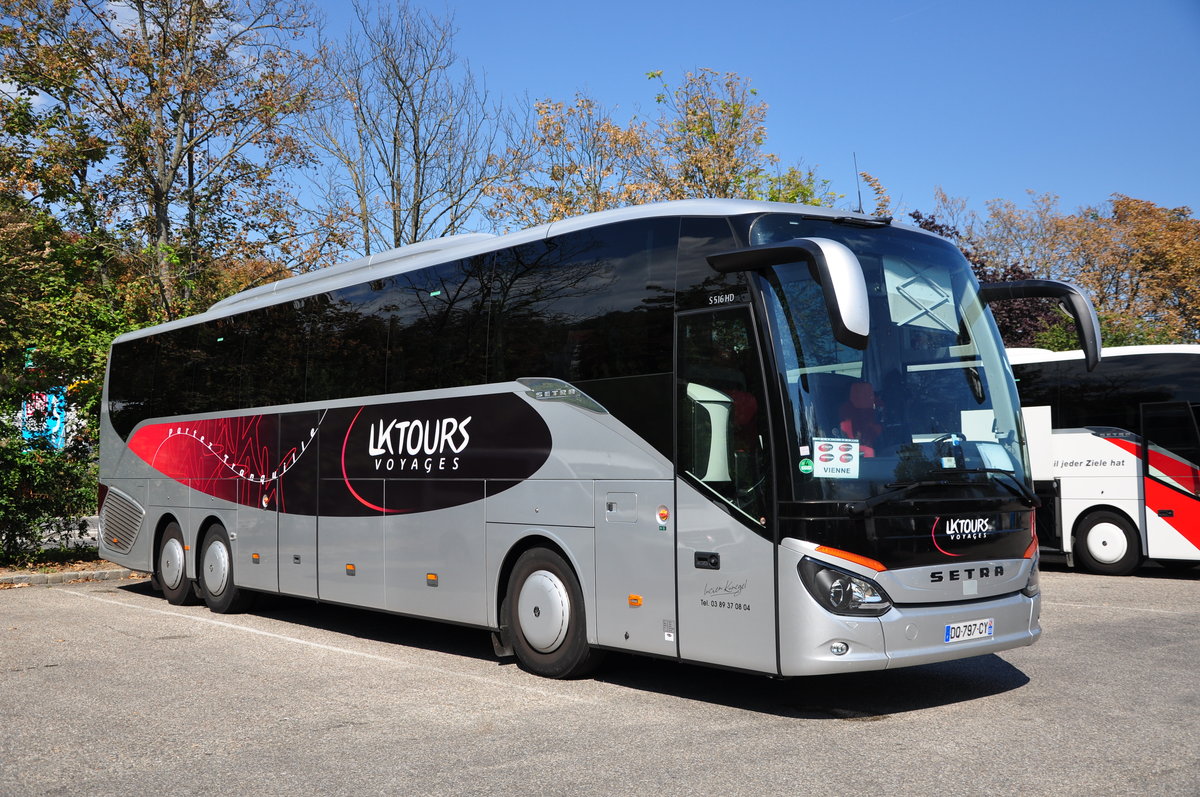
(1108, 544)
(543, 610)
(216, 574)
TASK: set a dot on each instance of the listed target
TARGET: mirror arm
(1087, 325)
(841, 282)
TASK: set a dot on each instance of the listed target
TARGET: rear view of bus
(752, 435)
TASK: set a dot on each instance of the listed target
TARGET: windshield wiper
(858, 221)
(1016, 487)
(866, 507)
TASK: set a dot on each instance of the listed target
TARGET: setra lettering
(967, 573)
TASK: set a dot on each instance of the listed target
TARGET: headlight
(841, 592)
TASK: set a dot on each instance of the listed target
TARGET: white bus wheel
(544, 613)
(170, 570)
(1108, 544)
(216, 574)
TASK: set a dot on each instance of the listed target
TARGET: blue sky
(1079, 98)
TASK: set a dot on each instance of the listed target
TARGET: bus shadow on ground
(363, 624)
(862, 697)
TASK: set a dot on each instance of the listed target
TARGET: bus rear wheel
(216, 574)
(544, 613)
(1108, 544)
(170, 570)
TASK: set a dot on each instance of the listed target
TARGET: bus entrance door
(724, 553)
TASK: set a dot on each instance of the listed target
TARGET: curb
(68, 576)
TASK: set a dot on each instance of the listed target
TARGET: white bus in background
(768, 437)
(1114, 454)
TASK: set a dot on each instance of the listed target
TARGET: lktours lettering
(418, 445)
(968, 528)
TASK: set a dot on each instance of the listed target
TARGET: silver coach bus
(761, 436)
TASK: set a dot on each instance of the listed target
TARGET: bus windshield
(929, 399)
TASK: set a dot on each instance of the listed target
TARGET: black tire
(215, 568)
(1108, 544)
(170, 569)
(544, 615)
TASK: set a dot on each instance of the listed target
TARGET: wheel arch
(526, 543)
(1093, 554)
(160, 528)
(208, 523)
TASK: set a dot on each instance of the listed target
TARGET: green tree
(55, 324)
(1139, 262)
(573, 158)
(167, 126)
(706, 141)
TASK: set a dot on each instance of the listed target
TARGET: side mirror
(833, 266)
(1068, 295)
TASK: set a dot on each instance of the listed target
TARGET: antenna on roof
(858, 182)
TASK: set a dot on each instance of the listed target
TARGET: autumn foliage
(157, 156)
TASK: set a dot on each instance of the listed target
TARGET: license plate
(972, 629)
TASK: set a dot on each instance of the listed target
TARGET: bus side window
(1172, 426)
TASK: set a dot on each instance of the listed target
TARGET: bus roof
(1024, 356)
(441, 250)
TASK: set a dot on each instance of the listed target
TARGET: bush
(45, 494)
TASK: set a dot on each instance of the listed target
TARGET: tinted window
(594, 308)
(174, 386)
(274, 356)
(131, 383)
(722, 411)
(1111, 395)
(590, 305)
(217, 366)
(347, 341)
(439, 329)
(1037, 384)
(696, 282)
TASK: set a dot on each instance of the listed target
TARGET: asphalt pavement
(106, 688)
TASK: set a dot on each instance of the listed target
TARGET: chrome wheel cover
(544, 611)
(170, 563)
(216, 567)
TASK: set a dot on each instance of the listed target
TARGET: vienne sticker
(836, 458)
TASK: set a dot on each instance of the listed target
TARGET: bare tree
(407, 128)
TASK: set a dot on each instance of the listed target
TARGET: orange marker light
(878, 567)
(664, 514)
(350, 570)
(431, 579)
(255, 557)
(635, 600)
